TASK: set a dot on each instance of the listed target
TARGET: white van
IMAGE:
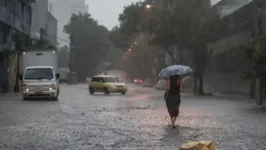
(39, 76)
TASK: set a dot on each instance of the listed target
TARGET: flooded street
(138, 120)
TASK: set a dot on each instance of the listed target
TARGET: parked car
(161, 85)
(147, 83)
(107, 84)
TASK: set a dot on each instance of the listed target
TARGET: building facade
(44, 24)
(79, 6)
(15, 23)
(39, 18)
(241, 22)
(51, 29)
(15, 16)
(63, 14)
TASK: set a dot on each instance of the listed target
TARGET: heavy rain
(132, 75)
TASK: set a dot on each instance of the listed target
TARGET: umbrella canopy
(175, 70)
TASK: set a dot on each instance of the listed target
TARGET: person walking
(172, 98)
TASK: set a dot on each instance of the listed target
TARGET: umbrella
(175, 70)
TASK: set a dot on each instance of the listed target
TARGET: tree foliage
(185, 24)
(142, 59)
(130, 19)
(63, 57)
(119, 40)
(255, 51)
(90, 42)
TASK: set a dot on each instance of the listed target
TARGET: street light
(148, 6)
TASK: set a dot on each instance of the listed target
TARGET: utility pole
(70, 59)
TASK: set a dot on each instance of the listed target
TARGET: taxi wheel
(123, 93)
(91, 90)
(106, 92)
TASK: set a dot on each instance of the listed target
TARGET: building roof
(227, 7)
(240, 20)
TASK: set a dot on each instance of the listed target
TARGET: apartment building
(15, 23)
(15, 16)
(44, 24)
(63, 14)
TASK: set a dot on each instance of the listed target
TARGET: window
(39, 74)
(96, 79)
(117, 80)
(109, 79)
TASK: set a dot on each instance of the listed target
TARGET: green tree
(190, 24)
(255, 51)
(131, 18)
(63, 56)
(119, 40)
(90, 42)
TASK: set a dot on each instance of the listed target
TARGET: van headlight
(25, 87)
(53, 86)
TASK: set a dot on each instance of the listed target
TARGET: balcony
(14, 21)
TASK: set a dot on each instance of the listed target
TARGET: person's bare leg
(173, 121)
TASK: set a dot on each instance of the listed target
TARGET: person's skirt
(172, 104)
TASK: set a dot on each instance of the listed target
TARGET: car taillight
(140, 81)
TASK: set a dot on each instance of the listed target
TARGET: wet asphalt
(136, 121)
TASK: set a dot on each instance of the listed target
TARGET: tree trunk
(16, 89)
(195, 87)
(251, 88)
(259, 97)
(181, 56)
(201, 90)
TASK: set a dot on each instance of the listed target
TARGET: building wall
(226, 7)
(79, 7)
(14, 14)
(39, 18)
(51, 29)
(224, 69)
(63, 14)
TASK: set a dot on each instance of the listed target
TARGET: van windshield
(39, 74)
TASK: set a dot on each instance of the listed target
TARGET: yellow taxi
(107, 84)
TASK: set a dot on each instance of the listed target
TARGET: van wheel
(55, 98)
(91, 90)
(106, 92)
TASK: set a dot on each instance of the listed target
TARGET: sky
(106, 11)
